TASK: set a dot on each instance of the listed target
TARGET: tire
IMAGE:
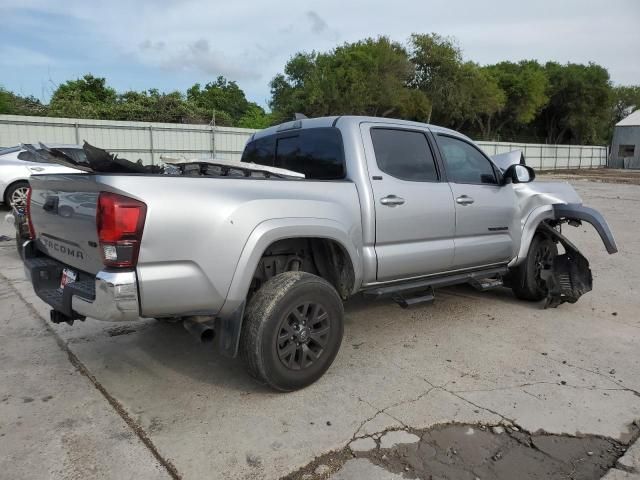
(306, 313)
(16, 192)
(527, 284)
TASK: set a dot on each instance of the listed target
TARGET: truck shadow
(167, 347)
(360, 303)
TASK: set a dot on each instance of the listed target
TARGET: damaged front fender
(570, 276)
(573, 211)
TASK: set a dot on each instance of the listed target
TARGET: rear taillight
(120, 222)
(32, 231)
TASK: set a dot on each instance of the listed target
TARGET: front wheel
(527, 281)
(292, 330)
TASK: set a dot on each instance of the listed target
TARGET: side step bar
(419, 291)
(424, 297)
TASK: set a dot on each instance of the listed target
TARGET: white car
(18, 163)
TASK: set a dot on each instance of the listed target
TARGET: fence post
(213, 144)
(76, 126)
(580, 161)
(555, 160)
(151, 144)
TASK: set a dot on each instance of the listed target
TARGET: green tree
(155, 106)
(525, 87)
(86, 97)
(438, 62)
(479, 100)
(255, 117)
(578, 110)
(224, 97)
(625, 100)
(369, 77)
(461, 93)
(13, 104)
(5, 101)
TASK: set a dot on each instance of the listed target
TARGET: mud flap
(570, 276)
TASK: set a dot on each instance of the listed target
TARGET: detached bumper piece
(570, 276)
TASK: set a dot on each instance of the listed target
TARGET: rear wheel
(527, 281)
(16, 195)
(292, 330)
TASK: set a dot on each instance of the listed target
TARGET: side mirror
(519, 174)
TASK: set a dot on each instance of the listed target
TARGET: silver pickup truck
(260, 262)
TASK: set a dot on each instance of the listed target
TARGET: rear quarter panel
(197, 228)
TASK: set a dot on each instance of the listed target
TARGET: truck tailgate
(63, 214)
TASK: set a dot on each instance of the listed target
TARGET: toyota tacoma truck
(258, 256)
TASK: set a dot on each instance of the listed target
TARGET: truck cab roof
(343, 120)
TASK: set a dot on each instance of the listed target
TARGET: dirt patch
(122, 330)
(479, 451)
(606, 175)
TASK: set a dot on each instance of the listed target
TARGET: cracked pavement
(146, 400)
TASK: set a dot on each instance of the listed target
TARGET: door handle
(36, 169)
(391, 201)
(464, 200)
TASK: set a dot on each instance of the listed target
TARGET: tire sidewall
(530, 277)
(309, 290)
(13, 188)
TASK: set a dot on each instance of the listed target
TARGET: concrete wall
(149, 141)
(625, 136)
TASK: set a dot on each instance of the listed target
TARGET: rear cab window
(318, 153)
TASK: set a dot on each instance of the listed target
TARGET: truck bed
(194, 233)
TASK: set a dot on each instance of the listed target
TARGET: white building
(625, 146)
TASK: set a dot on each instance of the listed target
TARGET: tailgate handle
(51, 204)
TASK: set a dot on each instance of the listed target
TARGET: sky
(171, 44)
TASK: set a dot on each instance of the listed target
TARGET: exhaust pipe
(200, 327)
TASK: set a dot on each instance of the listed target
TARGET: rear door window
(404, 154)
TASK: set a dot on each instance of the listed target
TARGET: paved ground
(607, 175)
(143, 400)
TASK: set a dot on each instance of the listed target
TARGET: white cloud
(199, 56)
(250, 41)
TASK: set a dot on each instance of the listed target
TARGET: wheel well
(5, 197)
(320, 256)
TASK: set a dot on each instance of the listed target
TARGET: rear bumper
(110, 295)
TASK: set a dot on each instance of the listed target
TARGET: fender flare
(264, 234)
(559, 211)
(535, 218)
(580, 212)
